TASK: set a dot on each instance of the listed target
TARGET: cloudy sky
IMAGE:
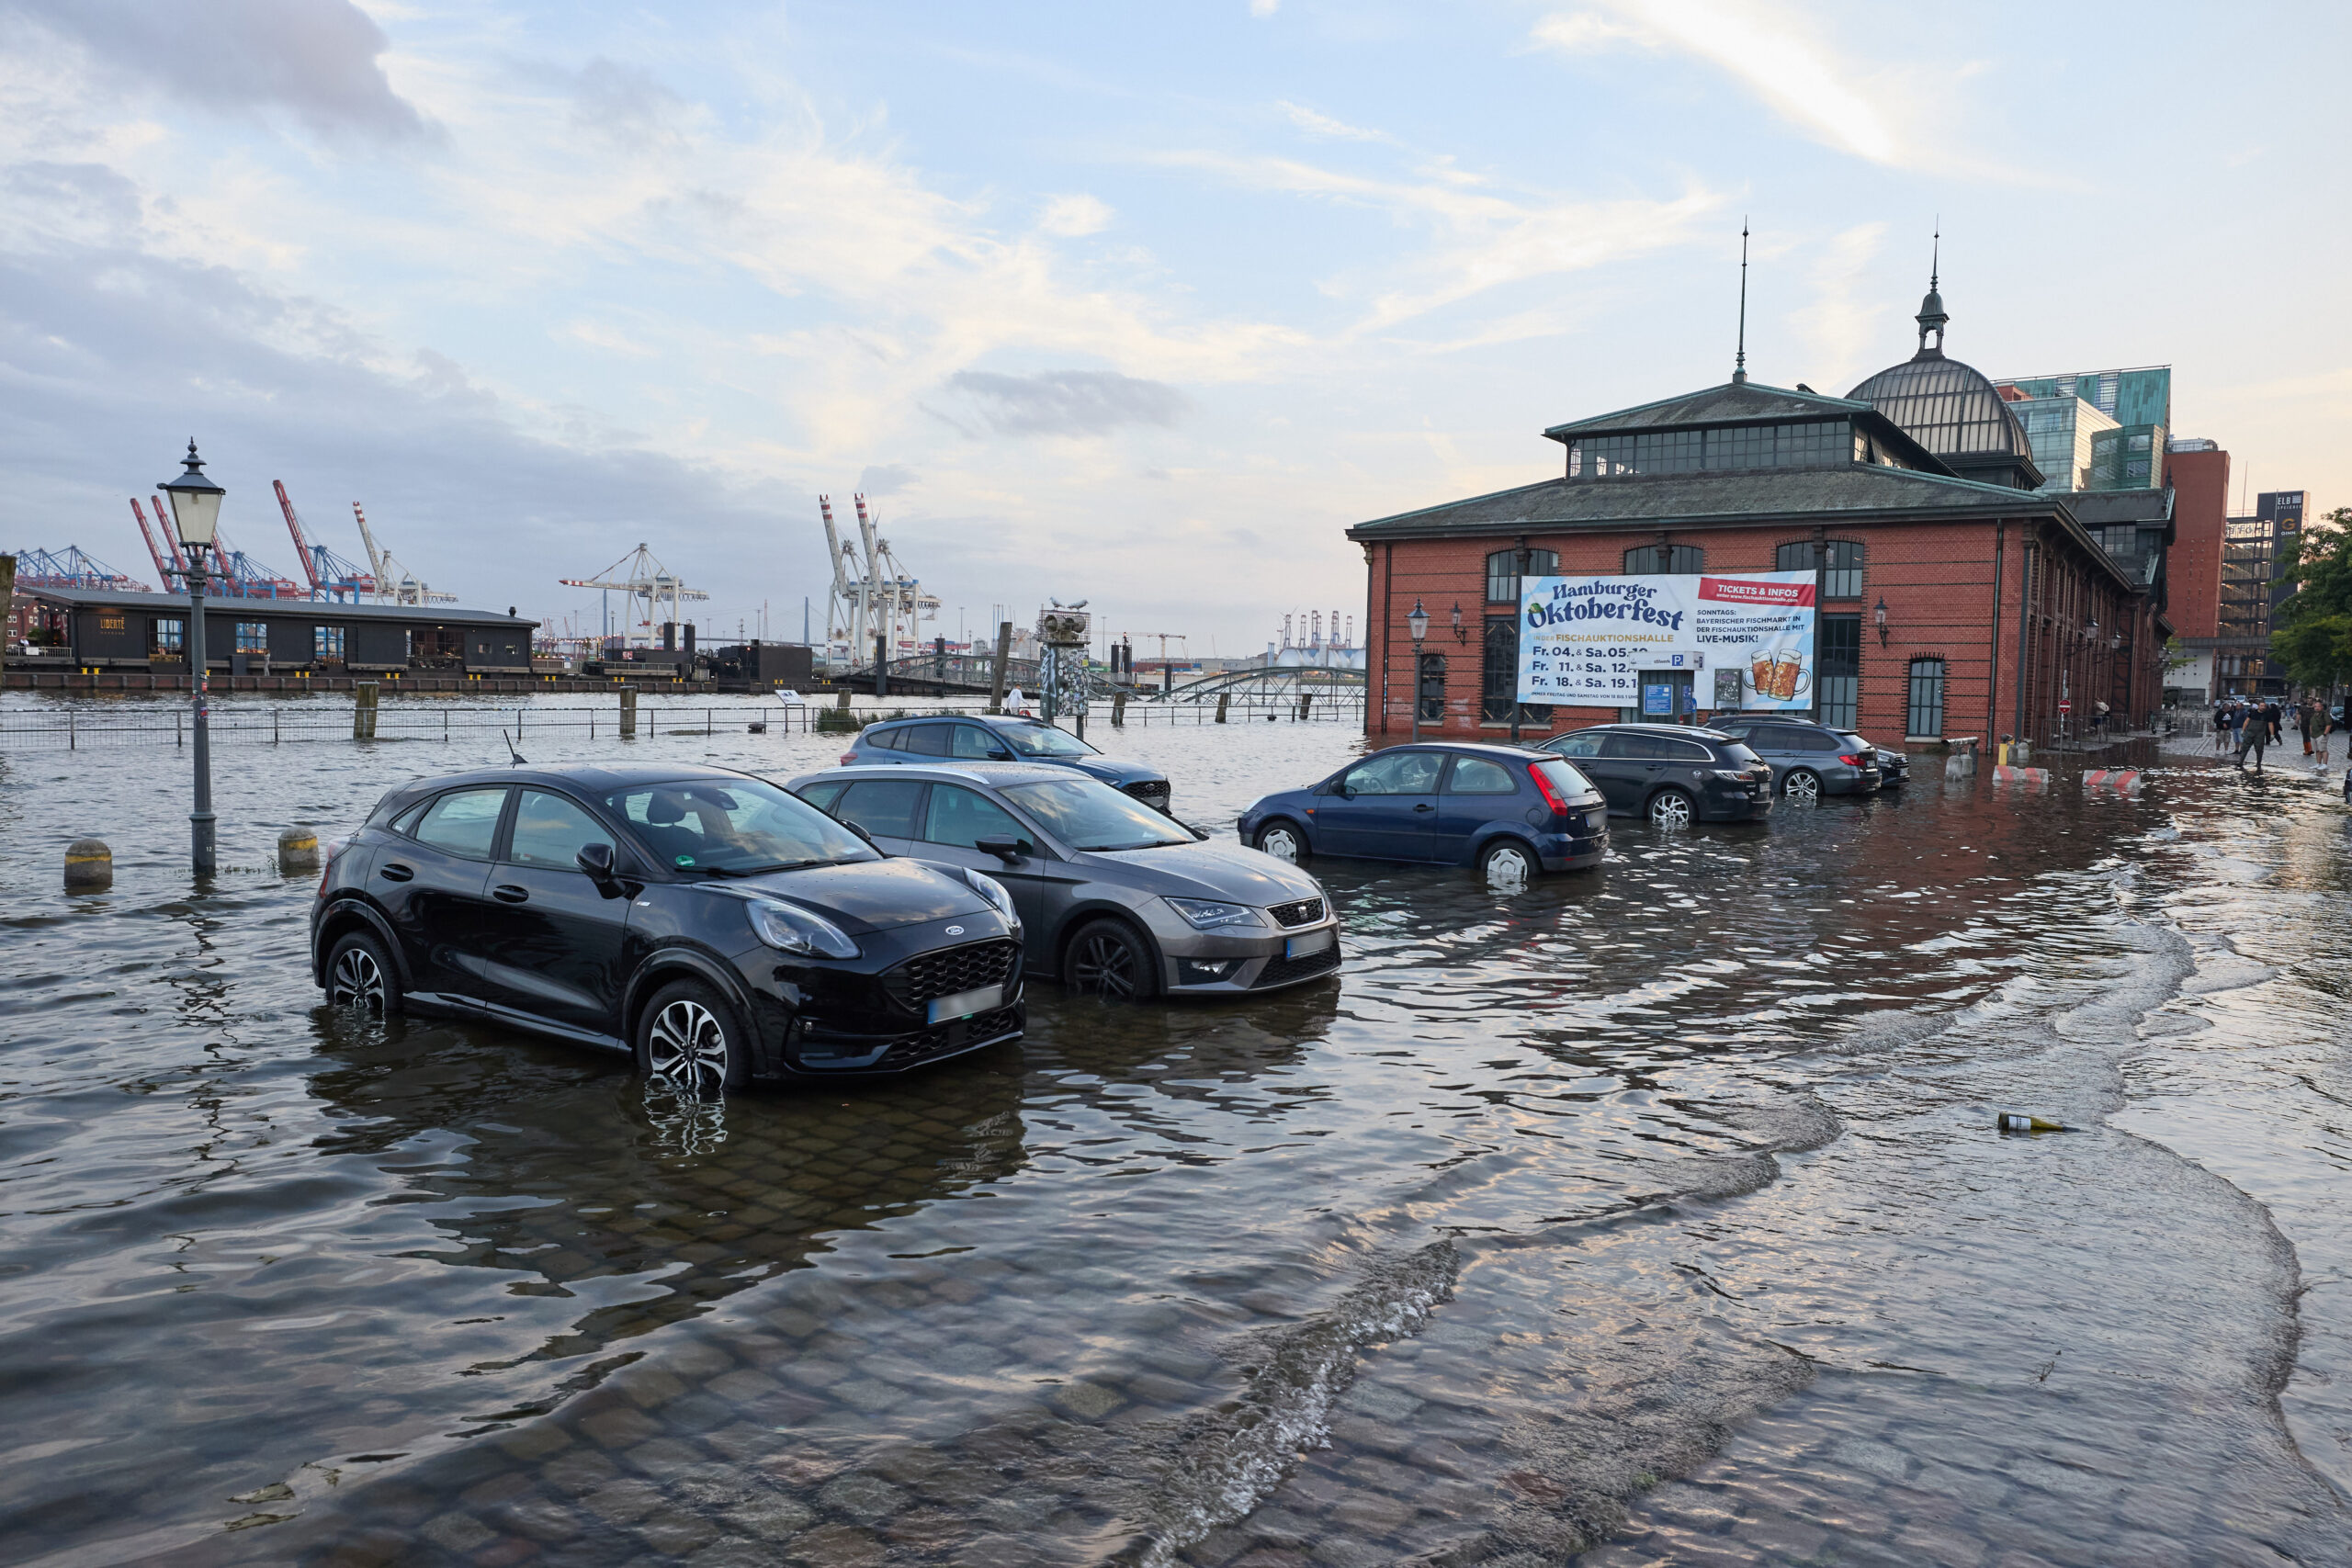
(1139, 304)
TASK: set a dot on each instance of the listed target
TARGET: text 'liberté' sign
(1588, 641)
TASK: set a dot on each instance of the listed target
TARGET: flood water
(1653, 1214)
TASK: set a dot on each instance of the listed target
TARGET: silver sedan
(1114, 898)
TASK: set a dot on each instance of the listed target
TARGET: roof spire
(1931, 317)
(1739, 363)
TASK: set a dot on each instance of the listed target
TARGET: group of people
(2256, 723)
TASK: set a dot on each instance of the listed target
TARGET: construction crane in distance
(69, 567)
(871, 595)
(332, 577)
(393, 583)
(173, 571)
(642, 578)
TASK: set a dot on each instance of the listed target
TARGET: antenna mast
(1739, 365)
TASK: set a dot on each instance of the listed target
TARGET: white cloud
(1073, 217)
(1837, 328)
(1264, 7)
(1768, 47)
(1315, 124)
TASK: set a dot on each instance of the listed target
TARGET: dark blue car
(1510, 811)
(1001, 737)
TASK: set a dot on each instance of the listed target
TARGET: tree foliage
(2312, 642)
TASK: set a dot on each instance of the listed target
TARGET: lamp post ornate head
(1878, 615)
(196, 502)
(1461, 633)
(1418, 622)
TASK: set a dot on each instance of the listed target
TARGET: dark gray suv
(1673, 774)
(1808, 759)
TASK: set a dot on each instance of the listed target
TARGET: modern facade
(2061, 430)
(1918, 493)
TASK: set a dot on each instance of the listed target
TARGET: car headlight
(990, 888)
(796, 930)
(1206, 914)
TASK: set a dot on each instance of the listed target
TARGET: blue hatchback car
(1001, 737)
(1509, 811)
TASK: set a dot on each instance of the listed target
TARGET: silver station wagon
(1114, 898)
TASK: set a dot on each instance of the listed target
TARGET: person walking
(2274, 719)
(2254, 735)
(2221, 726)
(2231, 730)
(2303, 717)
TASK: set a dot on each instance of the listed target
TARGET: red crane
(166, 571)
(332, 577)
(294, 526)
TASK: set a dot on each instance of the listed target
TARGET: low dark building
(128, 631)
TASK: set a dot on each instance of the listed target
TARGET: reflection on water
(1655, 1211)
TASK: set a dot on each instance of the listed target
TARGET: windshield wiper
(1144, 844)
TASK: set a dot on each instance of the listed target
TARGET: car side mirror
(999, 756)
(1342, 791)
(596, 859)
(1003, 846)
(855, 828)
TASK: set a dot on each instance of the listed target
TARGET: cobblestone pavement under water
(1655, 1213)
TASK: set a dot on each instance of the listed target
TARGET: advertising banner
(1588, 641)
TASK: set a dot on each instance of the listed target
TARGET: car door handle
(1425, 806)
(507, 893)
(393, 871)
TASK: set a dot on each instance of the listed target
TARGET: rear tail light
(847, 758)
(1550, 792)
(1852, 759)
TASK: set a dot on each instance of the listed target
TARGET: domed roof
(1948, 407)
(1952, 408)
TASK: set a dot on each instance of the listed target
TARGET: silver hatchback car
(1114, 898)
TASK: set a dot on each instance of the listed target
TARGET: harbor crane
(69, 567)
(232, 574)
(643, 579)
(871, 595)
(332, 577)
(393, 583)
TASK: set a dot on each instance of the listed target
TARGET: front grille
(1307, 911)
(956, 1036)
(951, 971)
(1281, 971)
(1154, 793)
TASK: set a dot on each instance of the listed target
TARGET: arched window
(1842, 565)
(1682, 560)
(1502, 572)
(1924, 716)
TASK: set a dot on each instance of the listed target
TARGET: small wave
(1227, 1462)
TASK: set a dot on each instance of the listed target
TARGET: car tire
(1672, 808)
(691, 1039)
(1508, 860)
(360, 974)
(1284, 840)
(1802, 785)
(1111, 959)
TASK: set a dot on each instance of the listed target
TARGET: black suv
(1674, 774)
(1809, 759)
(715, 926)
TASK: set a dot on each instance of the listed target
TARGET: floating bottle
(2017, 1121)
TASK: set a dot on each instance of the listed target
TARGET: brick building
(1956, 598)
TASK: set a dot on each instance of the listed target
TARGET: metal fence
(72, 728)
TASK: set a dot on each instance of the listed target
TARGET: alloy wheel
(686, 1048)
(1671, 809)
(1281, 844)
(356, 980)
(1105, 965)
(1803, 788)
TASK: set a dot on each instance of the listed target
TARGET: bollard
(628, 712)
(1305, 701)
(1118, 710)
(844, 704)
(363, 710)
(1222, 698)
(89, 866)
(298, 850)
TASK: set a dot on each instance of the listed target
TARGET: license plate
(1312, 942)
(964, 1004)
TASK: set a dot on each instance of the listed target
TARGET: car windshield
(733, 827)
(1042, 741)
(1090, 815)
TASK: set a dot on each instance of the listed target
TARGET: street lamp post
(1521, 558)
(1418, 622)
(195, 516)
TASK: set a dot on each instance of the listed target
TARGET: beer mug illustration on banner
(1778, 673)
